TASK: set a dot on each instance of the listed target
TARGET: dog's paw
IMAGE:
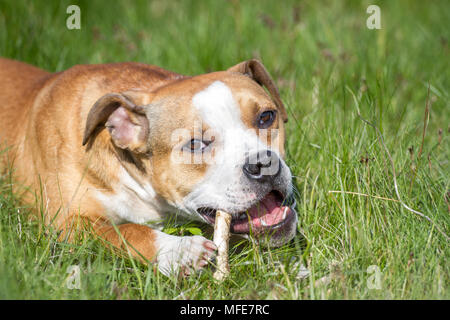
(183, 254)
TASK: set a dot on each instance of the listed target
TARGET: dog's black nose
(262, 165)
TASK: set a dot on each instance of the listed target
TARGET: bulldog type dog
(120, 146)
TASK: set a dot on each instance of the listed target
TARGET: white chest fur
(131, 201)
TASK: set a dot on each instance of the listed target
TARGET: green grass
(328, 65)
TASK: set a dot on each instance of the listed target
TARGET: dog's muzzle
(268, 216)
(273, 215)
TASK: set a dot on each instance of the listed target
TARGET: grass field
(329, 66)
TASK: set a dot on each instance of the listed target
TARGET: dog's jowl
(98, 146)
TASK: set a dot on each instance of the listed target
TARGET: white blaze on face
(221, 186)
(218, 107)
(221, 112)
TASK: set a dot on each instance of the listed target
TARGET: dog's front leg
(171, 253)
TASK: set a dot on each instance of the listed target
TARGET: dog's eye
(266, 119)
(195, 145)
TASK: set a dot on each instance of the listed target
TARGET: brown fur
(43, 117)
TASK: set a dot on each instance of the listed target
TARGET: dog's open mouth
(271, 213)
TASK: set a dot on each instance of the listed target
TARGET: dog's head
(213, 141)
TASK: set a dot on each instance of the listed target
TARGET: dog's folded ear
(255, 69)
(126, 122)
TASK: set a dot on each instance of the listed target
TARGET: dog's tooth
(284, 213)
(242, 216)
(263, 223)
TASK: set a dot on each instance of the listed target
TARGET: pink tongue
(269, 210)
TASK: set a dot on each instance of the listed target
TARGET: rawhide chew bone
(221, 239)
